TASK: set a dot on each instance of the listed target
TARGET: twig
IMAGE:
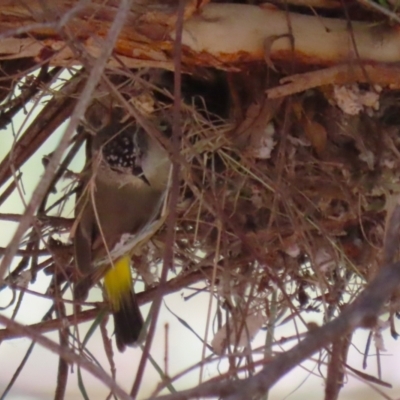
(27, 252)
(17, 371)
(361, 312)
(149, 295)
(62, 373)
(173, 199)
(76, 117)
(44, 77)
(377, 7)
(379, 74)
(10, 188)
(108, 349)
(56, 25)
(68, 355)
(26, 357)
(336, 367)
(79, 139)
(55, 112)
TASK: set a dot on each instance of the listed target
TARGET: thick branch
(218, 35)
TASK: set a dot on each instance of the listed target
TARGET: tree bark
(219, 35)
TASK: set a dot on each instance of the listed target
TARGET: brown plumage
(114, 202)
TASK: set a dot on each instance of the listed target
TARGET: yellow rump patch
(118, 282)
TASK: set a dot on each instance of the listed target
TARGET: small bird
(116, 204)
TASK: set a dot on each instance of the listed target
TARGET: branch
(77, 115)
(55, 112)
(68, 355)
(172, 286)
(146, 39)
(361, 313)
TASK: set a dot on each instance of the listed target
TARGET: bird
(122, 194)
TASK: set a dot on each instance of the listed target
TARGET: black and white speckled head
(119, 151)
(116, 142)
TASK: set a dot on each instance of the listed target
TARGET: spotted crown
(119, 151)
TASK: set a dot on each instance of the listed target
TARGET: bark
(221, 35)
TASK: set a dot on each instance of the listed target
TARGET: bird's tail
(128, 319)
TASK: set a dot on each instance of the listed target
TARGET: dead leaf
(316, 134)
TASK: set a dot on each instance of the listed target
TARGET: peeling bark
(220, 35)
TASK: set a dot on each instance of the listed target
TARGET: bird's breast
(124, 204)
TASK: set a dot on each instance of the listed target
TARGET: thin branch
(379, 74)
(17, 371)
(360, 313)
(173, 200)
(174, 285)
(76, 117)
(62, 372)
(68, 355)
(10, 188)
(55, 112)
(336, 367)
(44, 77)
(27, 252)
